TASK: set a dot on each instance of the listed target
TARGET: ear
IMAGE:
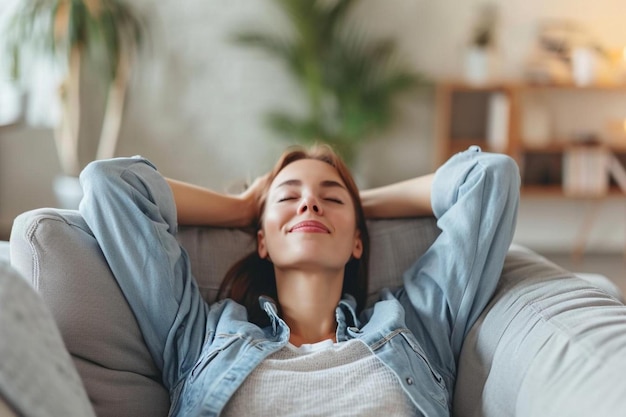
(357, 251)
(260, 241)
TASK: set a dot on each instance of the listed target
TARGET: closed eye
(280, 200)
(334, 200)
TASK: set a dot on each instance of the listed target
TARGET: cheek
(272, 219)
(272, 226)
(346, 220)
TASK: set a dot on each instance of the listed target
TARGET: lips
(310, 226)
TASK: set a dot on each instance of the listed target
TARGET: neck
(308, 302)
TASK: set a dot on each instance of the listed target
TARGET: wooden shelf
(457, 85)
(567, 86)
(553, 190)
(562, 146)
(462, 121)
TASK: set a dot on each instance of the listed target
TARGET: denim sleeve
(130, 210)
(475, 197)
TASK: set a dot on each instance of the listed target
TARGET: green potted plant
(350, 81)
(106, 32)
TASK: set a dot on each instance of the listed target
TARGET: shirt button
(409, 381)
(475, 148)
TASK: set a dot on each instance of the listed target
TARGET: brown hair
(253, 276)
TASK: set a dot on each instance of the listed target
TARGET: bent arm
(410, 198)
(200, 206)
(475, 199)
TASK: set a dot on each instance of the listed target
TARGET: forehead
(307, 170)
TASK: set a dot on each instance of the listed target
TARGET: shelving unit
(467, 116)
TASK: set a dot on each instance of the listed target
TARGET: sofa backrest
(56, 251)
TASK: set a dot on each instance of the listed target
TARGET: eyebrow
(325, 184)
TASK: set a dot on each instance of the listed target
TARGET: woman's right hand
(252, 196)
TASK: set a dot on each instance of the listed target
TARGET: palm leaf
(107, 30)
(293, 126)
(349, 79)
(101, 35)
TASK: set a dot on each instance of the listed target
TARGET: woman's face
(309, 219)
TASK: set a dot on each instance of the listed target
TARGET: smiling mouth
(310, 226)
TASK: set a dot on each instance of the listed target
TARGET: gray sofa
(548, 344)
(37, 375)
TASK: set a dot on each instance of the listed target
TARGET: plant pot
(67, 191)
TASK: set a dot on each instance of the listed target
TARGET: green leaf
(100, 36)
(349, 79)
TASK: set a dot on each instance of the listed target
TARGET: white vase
(477, 65)
(11, 103)
(536, 125)
(67, 191)
(584, 64)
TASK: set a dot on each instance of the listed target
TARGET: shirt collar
(345, 314)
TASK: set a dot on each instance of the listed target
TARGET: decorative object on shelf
(350, 80)
(479, 56)
(498, 121)
(69, 33)
(536, 124)
(11, 98)
(584, 66)
(11, 103)
(566, 52)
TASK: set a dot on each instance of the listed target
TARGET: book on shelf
(585, 171)
(617, 171)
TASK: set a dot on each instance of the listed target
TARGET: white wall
(196, 101)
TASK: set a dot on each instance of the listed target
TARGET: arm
(408, 198)
(475, 198)
(200, 206)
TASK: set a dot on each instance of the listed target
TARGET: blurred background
(212, 92)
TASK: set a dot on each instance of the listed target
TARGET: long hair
(253, 276)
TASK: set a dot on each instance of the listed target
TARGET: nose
(309, 203)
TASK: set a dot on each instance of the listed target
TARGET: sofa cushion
(56, 251)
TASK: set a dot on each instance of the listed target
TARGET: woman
(310, 347)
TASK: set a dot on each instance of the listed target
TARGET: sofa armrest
(55, 251)
(548, 344)
(4, 251)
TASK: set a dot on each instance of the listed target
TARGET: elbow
(468, 172)
(502, 170)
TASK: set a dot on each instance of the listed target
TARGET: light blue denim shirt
(206, 352)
